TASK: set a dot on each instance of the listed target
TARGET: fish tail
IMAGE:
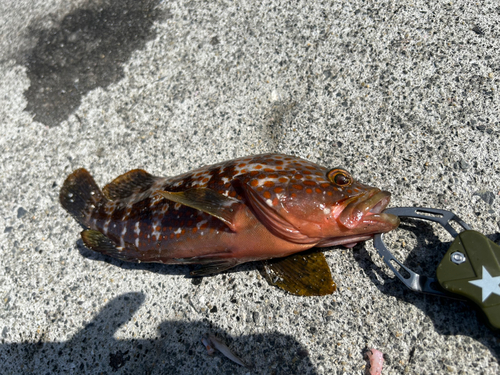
(79, 195)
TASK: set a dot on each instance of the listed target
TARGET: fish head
(320, 206)
(338, 210)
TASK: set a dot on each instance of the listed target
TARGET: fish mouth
(366, 216)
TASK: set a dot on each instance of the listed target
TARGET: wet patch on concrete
(87, 50)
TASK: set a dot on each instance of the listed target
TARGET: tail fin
(79, 194)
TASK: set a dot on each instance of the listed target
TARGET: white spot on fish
(269, 202)
(198, 225)
(178, 231)
(229, 202)
(156, 233)
(326, 211)
(122, 236)
(106, 226)
(264, 180)
(137, 231)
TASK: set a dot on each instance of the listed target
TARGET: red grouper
(252, 208)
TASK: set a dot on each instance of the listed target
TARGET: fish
(267, 207)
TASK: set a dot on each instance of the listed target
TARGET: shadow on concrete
(176, 349)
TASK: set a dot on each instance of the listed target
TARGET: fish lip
(337, 241)
(369, 212)
(381, 204)
(385, 222)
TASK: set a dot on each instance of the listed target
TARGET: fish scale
(250, 208)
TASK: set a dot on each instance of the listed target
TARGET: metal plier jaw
(417, 282)
(470, 270)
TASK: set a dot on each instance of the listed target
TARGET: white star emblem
(488, 284)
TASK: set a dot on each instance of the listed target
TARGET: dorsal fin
(133, 182)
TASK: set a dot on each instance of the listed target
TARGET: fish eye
(340, 177)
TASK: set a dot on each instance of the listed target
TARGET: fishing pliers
(470, 269)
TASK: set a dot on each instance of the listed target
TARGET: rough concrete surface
(404, 94)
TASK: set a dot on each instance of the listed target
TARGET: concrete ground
(404, 94)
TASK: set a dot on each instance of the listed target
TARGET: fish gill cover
(85, 51)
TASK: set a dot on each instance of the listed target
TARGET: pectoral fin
(302, 274)
(208, 201)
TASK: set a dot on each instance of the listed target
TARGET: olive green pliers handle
(469, 270)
